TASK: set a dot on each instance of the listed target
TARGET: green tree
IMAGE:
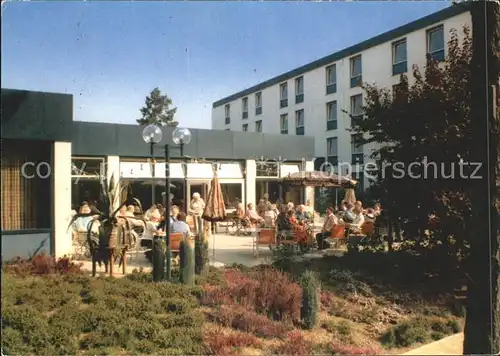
(421, 126)
(158, 110)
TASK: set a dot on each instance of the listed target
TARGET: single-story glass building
(50, 164)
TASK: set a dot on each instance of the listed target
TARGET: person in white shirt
(358, 221)
(270, 217)
(180, 224)
(330, 221)
(151, 229)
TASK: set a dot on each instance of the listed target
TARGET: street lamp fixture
(152, 135)
(181, 136)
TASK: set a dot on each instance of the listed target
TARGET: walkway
(451, 345)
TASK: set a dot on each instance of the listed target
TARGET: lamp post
(152, 135)
(180, 137)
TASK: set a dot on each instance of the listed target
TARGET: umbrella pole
(213, 240)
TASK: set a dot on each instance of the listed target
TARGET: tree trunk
(482, 324)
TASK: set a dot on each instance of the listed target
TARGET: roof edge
(441, 15)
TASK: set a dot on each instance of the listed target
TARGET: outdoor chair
(175, 241)
(338, 235)
(263, 237)
(368, 228)
(191, 222)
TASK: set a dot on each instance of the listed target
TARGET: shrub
(74, 314)
(266, 291)
(187, 261)
(219, 342)
(294, 344)
(420, 330)
(310, 299)
(248, 321)
(43, 265)
(201, 255)
(341, 329)
(406, 334)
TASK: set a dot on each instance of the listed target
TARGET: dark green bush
(55, 315)
(420, 330)
(311, 303)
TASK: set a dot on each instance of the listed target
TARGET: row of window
(331, 117)
(435, 50)
(357, 152)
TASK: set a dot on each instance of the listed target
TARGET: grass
(50, 307)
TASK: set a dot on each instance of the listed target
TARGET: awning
(230, 171)
(200, 171)
(287, 169)
(143, 170)
(135, 170)
(176, 171)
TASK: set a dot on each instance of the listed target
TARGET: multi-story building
(319, 98)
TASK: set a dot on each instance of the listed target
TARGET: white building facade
(319, 98)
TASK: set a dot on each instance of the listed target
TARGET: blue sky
(110, 55)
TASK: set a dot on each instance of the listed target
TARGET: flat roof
(423, 22)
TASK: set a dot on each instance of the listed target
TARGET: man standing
(326, 231)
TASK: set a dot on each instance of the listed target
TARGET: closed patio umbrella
(215, 209)
(350, 196)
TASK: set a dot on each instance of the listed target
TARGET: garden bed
(54, 308)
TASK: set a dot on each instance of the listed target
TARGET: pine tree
(158, 110)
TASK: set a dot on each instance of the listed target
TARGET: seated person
(283, 221)
(349, 214)
(152, 228)
(129, 211)
(180, 224)
(261, 207)
(326, 231)
(291, 217)
(377, 209)
(358, 221)
(174, 213)
(370, 215)
(252, 215)
(270, 217)
(240, 212)
(302, 214)
(81, 223)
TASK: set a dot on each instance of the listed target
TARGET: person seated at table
(370, 215)
(290, 206)
(302, 214)
(180, 224)
(151, 230)
(240, 212)
(252, 215)
(283, 221)
(82, 223)
(358, 221)
(174, 212)
(291, 217)
(326, 230)
(349, 214)
(261, 208)
(377, 209)
(275, 209)
(270, 217)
